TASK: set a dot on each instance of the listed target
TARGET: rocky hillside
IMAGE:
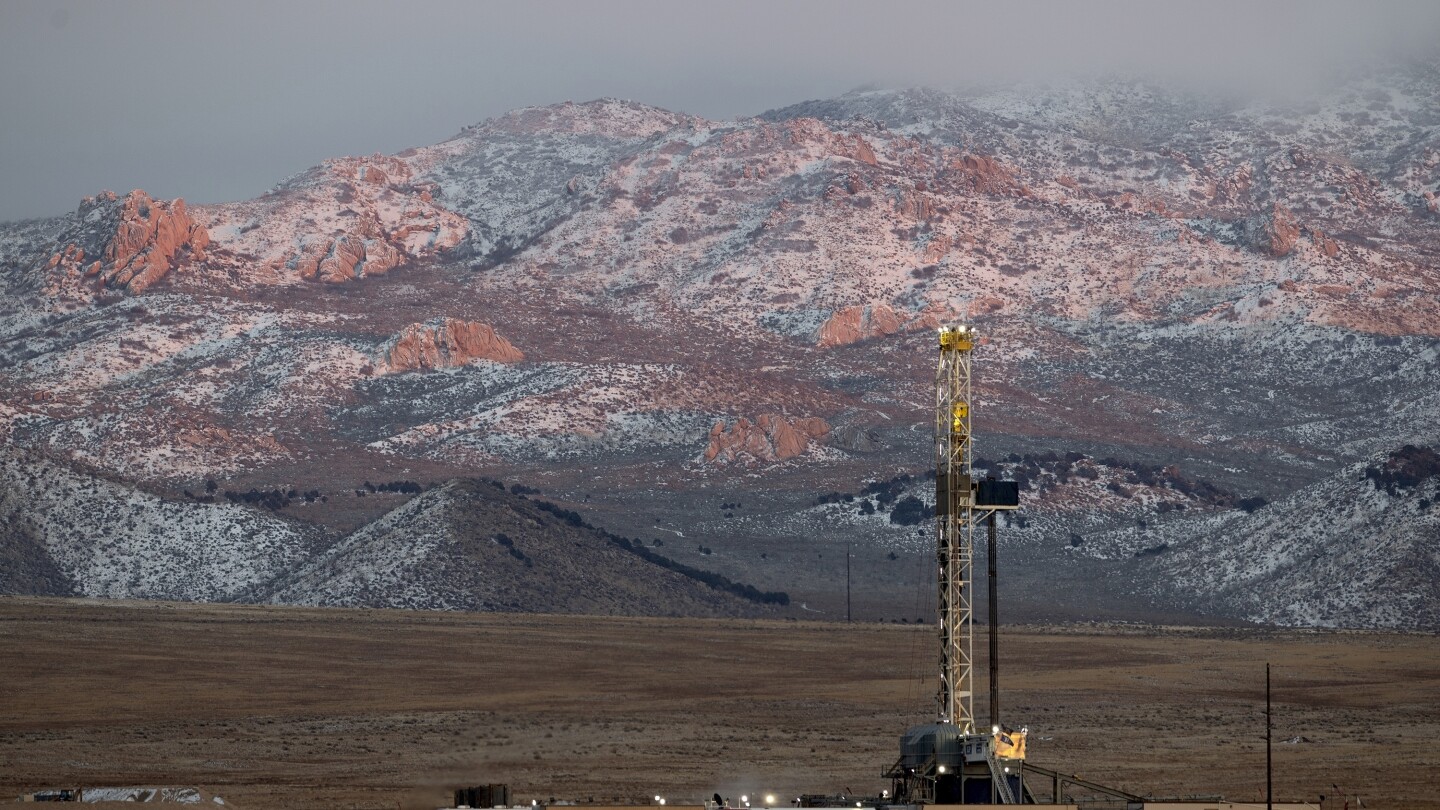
(694, 331)
(1361, 543)
(469, 545)
(466, 545)
(70, 532)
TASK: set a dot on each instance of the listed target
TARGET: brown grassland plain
(300, 708)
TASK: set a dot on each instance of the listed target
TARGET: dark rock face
(26, 567)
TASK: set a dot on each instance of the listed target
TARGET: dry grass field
(302, 708)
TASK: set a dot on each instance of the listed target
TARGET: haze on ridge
(216, 102)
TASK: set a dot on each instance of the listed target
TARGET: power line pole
(847, 583)
(994, 632)
(1269, 772)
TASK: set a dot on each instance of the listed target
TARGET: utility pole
(1269, 772)
(994, 631)
(847, 583)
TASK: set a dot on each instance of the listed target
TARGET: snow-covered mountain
(656, 318)
(1357, 548)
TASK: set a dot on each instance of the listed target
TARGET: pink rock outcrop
(938, 248)
(769, 438)
(345, 257)
(987, 305)
(1325, 243)
(364, 250)
(375, 217)
(1233, 189)
(856, 148)
(1281, 232)
(377, 169)
(915, 205)
(151, 238)
(446, 343)
(985, 175)
(861, 322)
(343, 261)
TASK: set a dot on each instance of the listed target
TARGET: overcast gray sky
(215, 101)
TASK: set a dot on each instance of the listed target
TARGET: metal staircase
(1000, 780)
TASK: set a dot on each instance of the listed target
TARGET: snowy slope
(1342, 552)
(470, 545)
(515, 176)
(111, 540)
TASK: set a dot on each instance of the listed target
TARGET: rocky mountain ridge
(653, 316)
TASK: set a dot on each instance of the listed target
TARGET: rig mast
(953, 760)
(955, 526)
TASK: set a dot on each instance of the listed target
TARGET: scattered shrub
(1251, 504)
(1405, 468)
(910, 511)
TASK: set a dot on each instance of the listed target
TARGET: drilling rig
(955, 760)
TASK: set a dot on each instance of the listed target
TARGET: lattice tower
(955, 525)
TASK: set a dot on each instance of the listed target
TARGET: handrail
(1002, 785)
(1071, 779)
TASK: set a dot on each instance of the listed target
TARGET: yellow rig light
(957, 338)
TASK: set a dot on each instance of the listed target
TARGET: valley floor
(299, 708)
